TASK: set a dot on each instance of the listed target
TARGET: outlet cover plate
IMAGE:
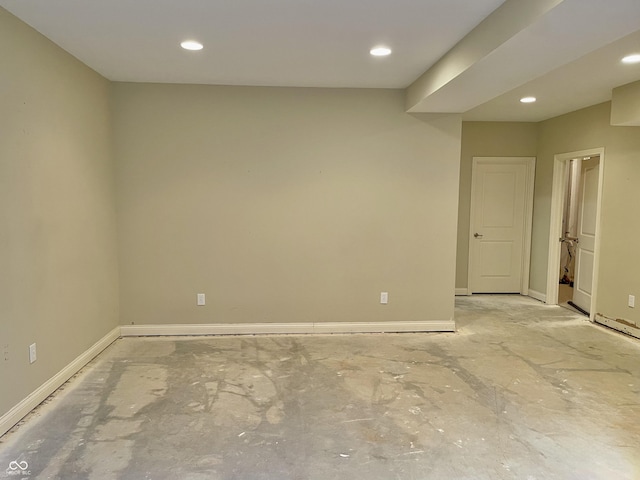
(32, 353)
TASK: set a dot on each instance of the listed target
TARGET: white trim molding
(461, 292)
(537, 295)
(287, 328)
(618, 324)
(35, 398)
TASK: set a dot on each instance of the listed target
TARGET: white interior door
(585, 249)
(498, 228)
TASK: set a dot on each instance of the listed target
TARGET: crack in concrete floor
(522, 391)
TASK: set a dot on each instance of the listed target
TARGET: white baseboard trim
(538, 296)
(287, 328)
(618, 324)
(460, 292)
(18, 412)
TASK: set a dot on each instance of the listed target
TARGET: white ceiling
(572, 49)
(573, 61)
(578, 84)
(311, 43)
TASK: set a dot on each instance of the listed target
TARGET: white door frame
(528, 215)
(560, 172)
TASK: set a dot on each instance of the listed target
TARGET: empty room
(316, 240)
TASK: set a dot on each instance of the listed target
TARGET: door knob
(477, 235)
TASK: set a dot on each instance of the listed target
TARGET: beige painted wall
(283, 205)
(58, 281)
(619, 258)
(486, 139)
(625, 105)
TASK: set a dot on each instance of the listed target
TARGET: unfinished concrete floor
(522, 391)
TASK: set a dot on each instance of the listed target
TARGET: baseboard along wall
(538, 296)
(19, 411)
(288, 328)
(618, 324)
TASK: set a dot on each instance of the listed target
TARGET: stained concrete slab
(521, 391)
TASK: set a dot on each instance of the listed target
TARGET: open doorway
(569, 237)
(578, 234)
(574, 230)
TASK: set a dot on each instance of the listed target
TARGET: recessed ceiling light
(635, 58)
(191, 45)
(380, 51)
(528, 99)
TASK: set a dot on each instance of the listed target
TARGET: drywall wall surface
(625, 105)
(58, 286)
(486, 139)
(620, 257)
(581, 130)
(283, 205)
(620, 227)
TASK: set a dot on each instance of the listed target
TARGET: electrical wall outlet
(632, 301)
(32, 353)
(201, 299)
(384, 297)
